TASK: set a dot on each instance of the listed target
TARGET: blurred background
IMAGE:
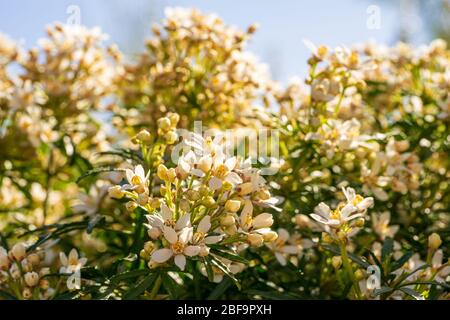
(283, 24)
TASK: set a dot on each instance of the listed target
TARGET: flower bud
(44, 272)
(209, 202)
(263, 220)
(144, 136)
(34, 259)
(227, 220)
(164, 123)
(131, 206)
(143, 199)
(336, 261)
(434, 241)
(193, 195)
(31, 279)
(270, 236)
(44, 284)
(26, 293)
(152, 264)
(359, 275)
(171, 137)
(204, 251)
(155, 203)
(4, 262)
(255, 240)
(263, 194)
(18, 251)
(144, 254)
(245, 188)
(149, 247)
(162, 172)
(359, 223)
(174, 119)
(171, 175)
(116, 192)
(232, 205)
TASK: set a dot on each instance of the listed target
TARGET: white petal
(319, 218)
(233, 178)
(246, 211)
(180, 261)
(139, 171)
(213, 239)
(170, 235)
(191, 251)
(162, 255)
(185, 235)
(215, 183)
(262, 220)
(348, 210)
(155, 220)
(290, 249)
(63, 258)
(283, 234)
(166, 213)
(323, 210)
(129, 173)
(204, 225)
(183, 222)
(281, 259)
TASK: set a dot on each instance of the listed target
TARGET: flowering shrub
(102, 159)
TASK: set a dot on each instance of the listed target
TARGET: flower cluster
(104, 159)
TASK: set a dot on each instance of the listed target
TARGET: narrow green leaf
(412, 293)
(137, 290)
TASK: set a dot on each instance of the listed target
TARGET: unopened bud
(144, 136)
(31, 279)
(434, 241)
(131, 206)
(336, 261)
(116, 192)
(255, 240)
(232, 205)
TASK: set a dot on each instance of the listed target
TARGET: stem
(349, 270)
(155, 288)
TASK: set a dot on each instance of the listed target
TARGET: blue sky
(283, 23)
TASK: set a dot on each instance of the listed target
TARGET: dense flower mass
(336, 189)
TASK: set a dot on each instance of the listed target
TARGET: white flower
(381, 225)
(165, 217)
(179, 247)
(282, 248)
(336, 218)
(136, 179)
(72, 263)
(90, 203)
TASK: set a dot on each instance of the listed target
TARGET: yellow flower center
(178, 247)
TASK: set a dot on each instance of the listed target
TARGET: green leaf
(97, 171)
(412, 293)
(220, 289)
(137, 290)
(229, 255)
(170, 285)
(401, 261)
(382, 290)
(128, 275)
(218, 264)
(209, 270)
(387, 248)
